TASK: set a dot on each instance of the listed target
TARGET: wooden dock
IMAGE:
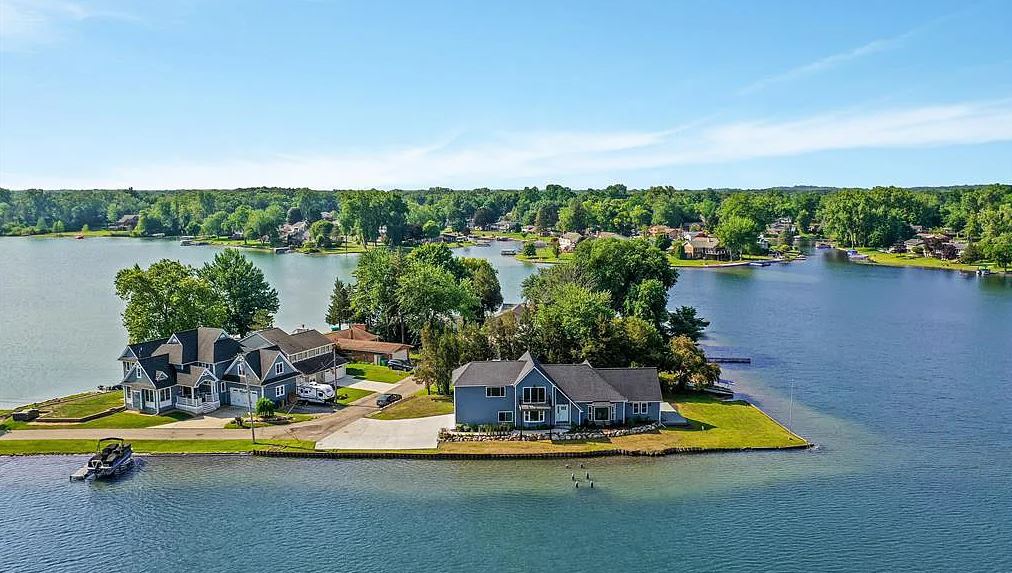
(729, 359)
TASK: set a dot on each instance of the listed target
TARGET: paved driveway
(369, 434)
(370, 385)
(215, 419)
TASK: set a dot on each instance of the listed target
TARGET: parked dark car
(387, 399)
(398, 364)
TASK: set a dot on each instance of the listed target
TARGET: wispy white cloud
(536, 157)
(873, 47)
(28, 23)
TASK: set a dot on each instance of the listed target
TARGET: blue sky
(176, 94)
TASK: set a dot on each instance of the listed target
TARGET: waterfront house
(125, 223)
(703, 247)
(568, 241)
(359, 344)
(529, 394)
(202, 369)
(294, 234)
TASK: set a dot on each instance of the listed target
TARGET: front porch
(197, 401)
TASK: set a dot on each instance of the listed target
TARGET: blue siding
(472, 407)
(270, 389)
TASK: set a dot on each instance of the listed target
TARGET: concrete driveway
(215, 419)
(370, 385)
(369, 434)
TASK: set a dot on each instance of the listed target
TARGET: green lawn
(716, 425)
(518, 236)
(348, 395)
(421, 405)
(296, 418)
(83, 405)
(375, 373)
(116, 420)
(544, 255)
(913, 260)
(30, 447)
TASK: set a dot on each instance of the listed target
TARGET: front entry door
(138, 404)
(562, 413)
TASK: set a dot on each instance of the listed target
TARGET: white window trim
(279, 391)
(279, 368)
(222, 387)
(507, 419)
(488, 393)
(528, 415)
(529, 391)
(640, 408)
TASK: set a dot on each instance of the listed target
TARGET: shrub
(265, 407)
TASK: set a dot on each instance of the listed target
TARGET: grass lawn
(421, 405)
(83, 405)
(296, 418)
(912, 260)
(350, 395)
(516, 236)
(544, 255)
(29, 447)
(116, 420)
(375, 373)
(715, 425)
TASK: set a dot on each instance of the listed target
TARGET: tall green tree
(166, 297)
(339, 310)
(689, 366)
(737, 234)
(242, 289)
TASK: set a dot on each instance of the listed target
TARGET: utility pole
(249, 407)
(790, 409)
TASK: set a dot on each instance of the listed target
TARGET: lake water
(901, 376)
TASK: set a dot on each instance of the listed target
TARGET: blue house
(202, 369)
(526, 393)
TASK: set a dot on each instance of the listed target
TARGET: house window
(639, 407)
(535, 395)
(221, 387)
(279, 391)
(238, 369)
(165, 394)
(149, 395)
(534, 416)
(505, 417)
(601, 413)
(137, 373)
(279, 368)
(495, 392)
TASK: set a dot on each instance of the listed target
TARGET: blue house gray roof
(581, 382)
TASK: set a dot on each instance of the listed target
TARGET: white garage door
(237, 397)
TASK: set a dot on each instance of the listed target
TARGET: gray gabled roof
(580, 382)
(487, 373)
(158, 370)
(293, 343)
(636, 384)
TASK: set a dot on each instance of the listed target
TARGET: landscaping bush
(265, 408)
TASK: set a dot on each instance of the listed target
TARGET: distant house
(125, 223)
(568, 241)
(294, 234)
(526, 393)
(516, 309)
(361, 345)
(202, 369)
(658, 230)
(703, 247)
(610, 235)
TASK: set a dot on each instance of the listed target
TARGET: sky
(411, 95)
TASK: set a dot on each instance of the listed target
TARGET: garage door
(237, 397)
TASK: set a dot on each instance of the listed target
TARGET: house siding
(472, 407)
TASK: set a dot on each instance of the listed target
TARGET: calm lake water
(901, 376)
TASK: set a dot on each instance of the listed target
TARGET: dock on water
(729, 359)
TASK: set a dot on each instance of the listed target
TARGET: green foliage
(684, 322)
(689, 366)
(339, 310)
(737, 234)
(431, 229)
(166, 297)
(618, 266)
(529, 250)
(999, 249)
(321, 232)
(483, 282)
(265, 408)
(241, 289)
